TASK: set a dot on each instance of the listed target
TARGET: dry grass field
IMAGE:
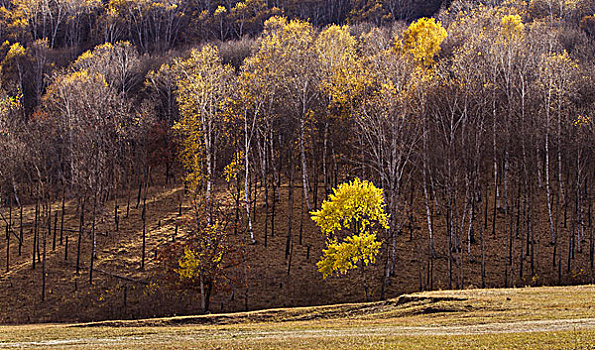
(523, 318)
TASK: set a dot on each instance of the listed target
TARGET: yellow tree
(23, 70)
(203, 84)
(14, 61)
(219, 16)
(204, 259)
(422, 40)
(343, 76)
(350, 219)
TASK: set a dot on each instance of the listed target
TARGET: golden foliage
(422, 40)
(341, 257)
(206, 256)
(357, 203)
(358, 208)
(16, 50)
(344, 74)
(232, 169)
(511, 27)
(582, 121)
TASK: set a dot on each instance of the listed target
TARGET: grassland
(526, 318)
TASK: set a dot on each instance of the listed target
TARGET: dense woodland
(475, 123)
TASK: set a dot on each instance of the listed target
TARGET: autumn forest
(163, 157)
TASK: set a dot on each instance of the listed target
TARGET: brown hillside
(122, 290)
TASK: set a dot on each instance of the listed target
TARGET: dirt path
(162, 337)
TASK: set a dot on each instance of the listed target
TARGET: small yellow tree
(204, 260)
(354, 211)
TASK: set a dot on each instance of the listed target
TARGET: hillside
(526, 318)
(121, 290)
